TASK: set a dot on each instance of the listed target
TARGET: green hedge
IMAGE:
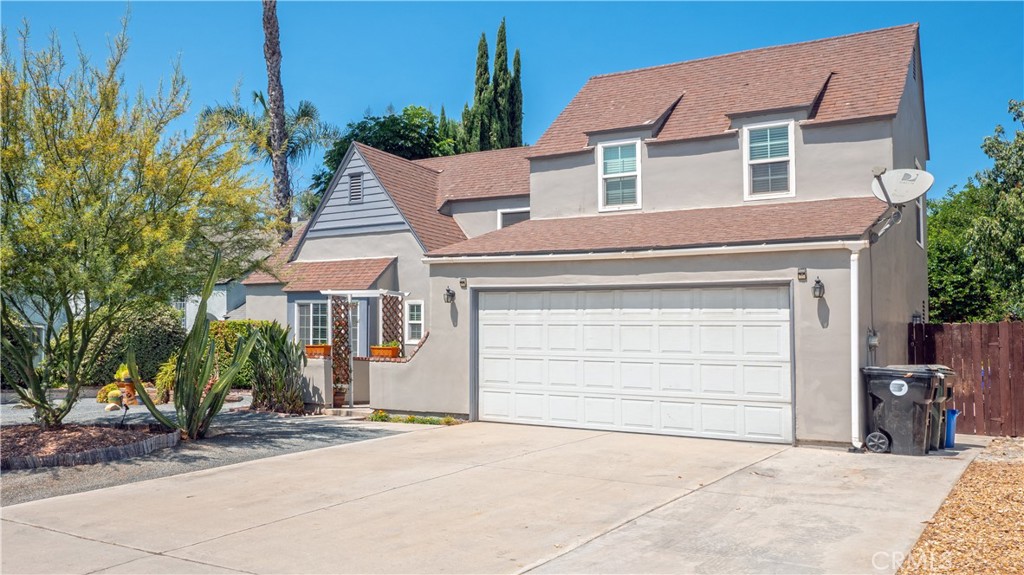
(226, 334)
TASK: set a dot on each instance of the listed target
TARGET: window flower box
(385, 351)
(319, 351)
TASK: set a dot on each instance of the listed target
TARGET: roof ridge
(464, 154)
(389, 154)
(753, 50)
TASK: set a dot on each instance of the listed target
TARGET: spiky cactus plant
(195, 371)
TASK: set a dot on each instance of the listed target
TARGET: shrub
(226, 334)
(103, 395)
(154, 336)
(165, 379)
(277, 364)
(9, 371)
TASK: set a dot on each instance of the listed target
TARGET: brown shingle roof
(479, 175)
(316, 275)
(846, 218)
(862, 76)
(337, 274)
(277, 260)
(414, 189)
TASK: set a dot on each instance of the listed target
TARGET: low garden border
(102, 455)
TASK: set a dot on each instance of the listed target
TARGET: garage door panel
(564, 408)
(530, 406)
(708, 362)
(599, 411)
(676, 339)
(529, 337)
(496, 370)
(600, 374)
(639, 414)
(677, 376)
(637, 376)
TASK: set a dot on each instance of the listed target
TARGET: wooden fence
(988, 359)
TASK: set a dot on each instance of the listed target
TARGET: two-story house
(701, 257)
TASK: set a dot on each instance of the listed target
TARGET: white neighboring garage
(706, 362)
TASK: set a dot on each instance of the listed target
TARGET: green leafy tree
(976, 237)
(478, 121)
(501, 90)
(105, 210)
(413, 134)
(516, 103)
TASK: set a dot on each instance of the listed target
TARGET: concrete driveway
(490, 498)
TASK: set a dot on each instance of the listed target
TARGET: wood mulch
(980, 527)
(31, 440)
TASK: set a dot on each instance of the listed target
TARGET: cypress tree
(501, 88)
(442, 126)
(464, 138)
(516, 104)
(480, 130)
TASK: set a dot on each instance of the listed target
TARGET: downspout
(856, 396)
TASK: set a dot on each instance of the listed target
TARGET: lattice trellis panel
(340, 348)
(392, 318)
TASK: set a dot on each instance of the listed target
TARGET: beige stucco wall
(266, 302)
(410, 269)
(831, 161)
(477, 217)
(438, 378)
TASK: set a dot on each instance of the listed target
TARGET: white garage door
(708, 362)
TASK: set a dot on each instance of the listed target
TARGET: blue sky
(347, 57)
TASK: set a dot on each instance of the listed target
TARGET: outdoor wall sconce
(449, 295)
(818, 289)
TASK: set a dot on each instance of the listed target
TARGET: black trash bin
(907, 408)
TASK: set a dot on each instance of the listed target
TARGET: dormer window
(619, 170)
(355, 188)
(768, 161)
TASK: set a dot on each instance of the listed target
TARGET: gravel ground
(234, 437)
(980, 526)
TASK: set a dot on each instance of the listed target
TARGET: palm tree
(278, 133)
(303, 128)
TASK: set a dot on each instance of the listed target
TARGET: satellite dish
(901, 186)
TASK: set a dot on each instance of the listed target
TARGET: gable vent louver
(355, 188)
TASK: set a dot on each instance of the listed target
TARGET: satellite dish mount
(897, 188)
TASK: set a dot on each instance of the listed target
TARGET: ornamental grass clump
(277, 364)
(199, 390)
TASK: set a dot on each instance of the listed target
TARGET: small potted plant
(318, 351)
(389, 349)
(123, 378)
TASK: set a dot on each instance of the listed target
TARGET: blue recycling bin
(951, 428)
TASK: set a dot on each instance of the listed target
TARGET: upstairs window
(768, 161)
(355, 188)
(619, 165)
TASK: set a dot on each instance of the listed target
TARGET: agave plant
(278, 363)
(199, 390)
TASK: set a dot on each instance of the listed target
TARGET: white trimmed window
(507, 218)
(768, 161)
(313, 323)
(413, 321)
(619, 172)
(355, 188)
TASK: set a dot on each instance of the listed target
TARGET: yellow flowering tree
(106, 210)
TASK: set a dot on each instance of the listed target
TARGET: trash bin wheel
(877, 442)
